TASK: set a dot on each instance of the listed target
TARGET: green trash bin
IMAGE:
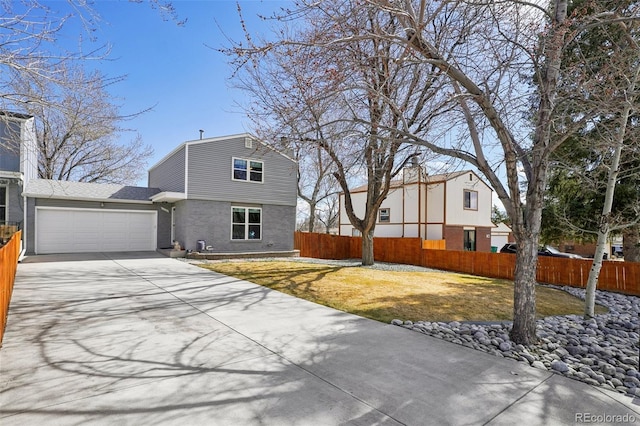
(494, 249)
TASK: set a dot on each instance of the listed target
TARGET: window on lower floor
(469, 240)
(3, 204)
(246, 223)
(470, 200)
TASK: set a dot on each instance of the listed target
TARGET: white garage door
(61, 230)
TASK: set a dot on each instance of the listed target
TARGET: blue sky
(173, 69)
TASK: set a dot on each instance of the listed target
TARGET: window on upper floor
(248, 170)
(384, 215)
(470, 200)
(246, 223)
(3, 204)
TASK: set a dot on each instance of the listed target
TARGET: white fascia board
(168, 197)
(99, 200)
(196, 141)
(11, 175)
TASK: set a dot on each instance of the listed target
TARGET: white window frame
(5, 203)
(245, 223)
(248, 162)
(471, 200)
(388, 210)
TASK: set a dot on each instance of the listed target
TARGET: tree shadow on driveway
(125, 342)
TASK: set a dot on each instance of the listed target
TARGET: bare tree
(619, 77)
(328, 213)
(316, 183)
(488, 49)
(348, 99)
(39, 77)
(418, 71)
(28, 52)
(78, 137)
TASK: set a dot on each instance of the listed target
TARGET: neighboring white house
(455, 207)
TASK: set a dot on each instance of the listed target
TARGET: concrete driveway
(145, 340)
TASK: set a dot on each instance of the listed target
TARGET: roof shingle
(46, 188)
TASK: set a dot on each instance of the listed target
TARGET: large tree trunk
(524, 293)
(367, 248)
(312, 217)
(594, 273)
(631, 244)
(603, 229)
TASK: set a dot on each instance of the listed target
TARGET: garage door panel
(85, 230)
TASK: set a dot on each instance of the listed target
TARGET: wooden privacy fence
(9, 254)
(623, 277)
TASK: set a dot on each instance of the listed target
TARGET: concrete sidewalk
(147, 340)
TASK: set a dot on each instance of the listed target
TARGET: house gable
(210, 172)
(476, 214)
(18, 146)
(429, 208)
(203, 170)
(169, 173)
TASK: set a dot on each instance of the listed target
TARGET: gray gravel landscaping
(601, 351)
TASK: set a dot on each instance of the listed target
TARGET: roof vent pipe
(201, 132)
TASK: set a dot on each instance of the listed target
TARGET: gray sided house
(76, 217)
(18, 164)
(230, 194)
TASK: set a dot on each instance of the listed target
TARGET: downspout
(23, 241)
(404, 207)
(444, 211)
(186, 170)
(419, 202)
(339, 214)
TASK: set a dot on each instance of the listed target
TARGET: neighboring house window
(384, 215)
(355, 233)
(470, 200)
(246, 223)
(470, 240)
(247, 170)
(3, 204)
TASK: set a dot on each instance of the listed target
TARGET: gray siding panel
(29, 227)
(211, 221)
(15, 212)
(210, 166)
(169, 175)
(10, 146)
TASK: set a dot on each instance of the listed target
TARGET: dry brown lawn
(385, 295)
